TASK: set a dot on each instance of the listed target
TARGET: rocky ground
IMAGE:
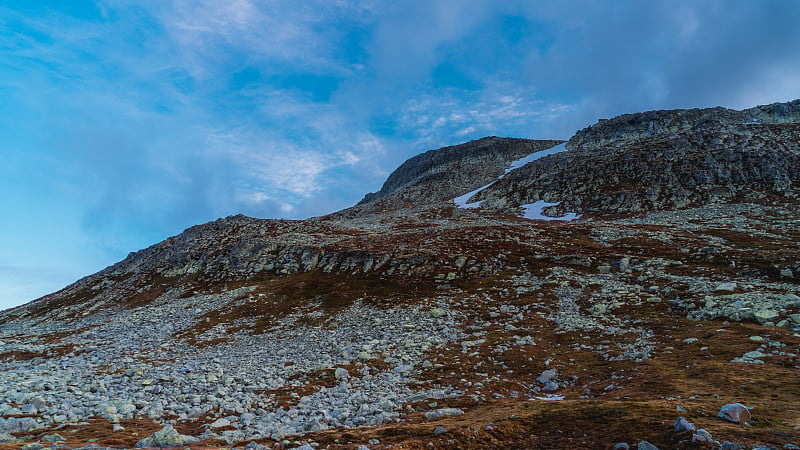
(394, 325)
(626, 324)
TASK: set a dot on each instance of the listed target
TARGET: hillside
(408, 321)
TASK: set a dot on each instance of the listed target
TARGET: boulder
(734, 412)
(442, 412)
(766, 315)
(167, 437)
(682, 425)
(702, 436)
(644, 445)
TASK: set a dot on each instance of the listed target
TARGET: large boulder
(166, 437)
(735, 412)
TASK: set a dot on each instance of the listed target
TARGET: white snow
(462, 201)
(534, 210)
(534, 156)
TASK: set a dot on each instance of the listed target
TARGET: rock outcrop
(664, 160)
(450, 171)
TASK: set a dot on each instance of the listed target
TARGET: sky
(123, 122)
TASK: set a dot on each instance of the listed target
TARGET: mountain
(434, 314)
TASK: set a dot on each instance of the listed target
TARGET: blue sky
(123, 122)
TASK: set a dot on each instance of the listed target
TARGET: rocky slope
(451, 171)
(664, 160)
(407, 322)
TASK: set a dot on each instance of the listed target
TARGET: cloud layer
(125, 121)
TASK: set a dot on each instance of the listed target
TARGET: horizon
(126, 122)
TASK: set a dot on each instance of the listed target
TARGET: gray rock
(55, 437)
(787, 273)
(734, 412)
(702, 436)
(7, 439)
(726, 287)
(621, 446)
(341, 374)
(682, 425)
(730, 446)
(439, 431)
(167, 437)
(766, 315)
(32, 446)
(442, 412)
(644, 445)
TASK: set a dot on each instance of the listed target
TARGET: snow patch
(463, 201)
(534, 211)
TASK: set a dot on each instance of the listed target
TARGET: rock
(439, 431)
(734, 412)
(341, 374)
(756, 338)
(755, 354)
(167, 437)
(404, 369)
(604, 268)
(442, 412)
(32, 446)
(730, 446)
(6, 438)
(437, 313)
(787, 273)
(726, 287)
(621, 446)
(55, 437)
(682, 425)
(547, 376)
(766, 315)
(362, 447)
(702, 436)
(644, 445)
(221, 422)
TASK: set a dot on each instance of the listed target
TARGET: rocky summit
(635, 287)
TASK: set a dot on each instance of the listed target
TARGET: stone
(604, 268)
(439, 431)
(756, 338)
(442, 412)
(787, 273)
(221, 422)
(734, 412)
(682, 425)
(730, 446)
(726, 287)
(702, 436)
(55, 437)
(341, 374)
(437, 313)
(167, 437)
(32, 446)
(6, 438)
(644, 445)
(621, 446)
(766, 315)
